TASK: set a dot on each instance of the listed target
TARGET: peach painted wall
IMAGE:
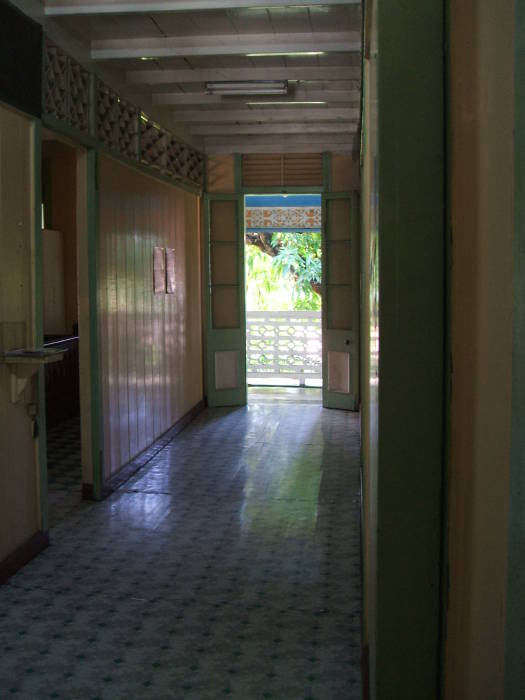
(151, 344)
(63, 217)
(19, 505)
(482, 233)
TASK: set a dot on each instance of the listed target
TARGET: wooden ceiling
(163, 52)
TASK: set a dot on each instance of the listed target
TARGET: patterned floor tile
(228, 566)
(64, 470)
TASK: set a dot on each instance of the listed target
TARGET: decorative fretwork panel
(66, 89)
(56, 82)
(160, 150)
(153, 144)
(79, 96)
(193, 165)
(175, 158)
(284, 344)
(74, 96)
(118, 122)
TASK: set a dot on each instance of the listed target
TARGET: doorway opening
(61, 327)
(283, 273)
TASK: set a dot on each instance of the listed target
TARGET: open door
(341, 301)
(225, 312)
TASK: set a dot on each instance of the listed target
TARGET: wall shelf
(24, 363)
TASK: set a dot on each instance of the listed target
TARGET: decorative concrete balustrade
(284, 345)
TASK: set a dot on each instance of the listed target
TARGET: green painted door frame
(225, 340)
(93, 403)
(217, 340)
(515, 613)
(405, 453)
(38, 318)
(95, 391)
(339, 340)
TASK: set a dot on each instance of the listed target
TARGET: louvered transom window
(287, 170)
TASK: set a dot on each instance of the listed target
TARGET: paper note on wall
(170, 270)
(159, 271)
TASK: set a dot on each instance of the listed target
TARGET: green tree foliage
(284, 271)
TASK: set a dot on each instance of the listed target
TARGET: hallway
(228, 566)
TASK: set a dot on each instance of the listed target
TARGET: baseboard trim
(365, 672)
(87, 492)
(132, 467)
(23, 555)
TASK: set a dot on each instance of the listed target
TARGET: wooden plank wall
(151, 345)
(345, 172)
(220, 173)
(19, 510)
(62, 216)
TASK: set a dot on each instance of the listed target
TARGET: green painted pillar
(94, 334)
(515, 631)
(38, 318)
(411, 224)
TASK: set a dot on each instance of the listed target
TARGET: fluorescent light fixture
(288, 53)
(280, 102)
(147, 58)
(247, 87)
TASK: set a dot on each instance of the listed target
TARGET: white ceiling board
(224, 44)
(319, 85)
(159, 77)
(111, 26)
(283, 114)
(306, 86)
(92, 7)
(269, 139)
(279, 128)
(324, 18)
(282, 146)
(192, 23)
(340, 59)
(199, 62)
(195, 41)
(253, 20)
(180, 24)
(231, 21)
(291, 19)
(306, 61)
(351, 58)
(202, 98)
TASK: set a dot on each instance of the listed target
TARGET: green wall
(404, 610)
(369, 334)
(515, 637)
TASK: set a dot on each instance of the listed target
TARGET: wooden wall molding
(23, 555)
(129, 469)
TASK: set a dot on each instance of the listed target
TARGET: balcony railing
(284, 345)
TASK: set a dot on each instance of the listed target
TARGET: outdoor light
(247, 87)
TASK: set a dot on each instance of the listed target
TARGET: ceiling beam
(276, 128)
(266, 115)
(224, 45)
(203, 98)
(261, 139)
(96, 7)
(285, 146)
(166, 77)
